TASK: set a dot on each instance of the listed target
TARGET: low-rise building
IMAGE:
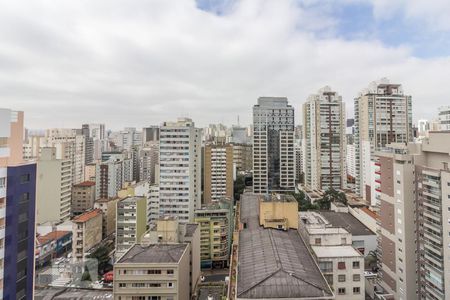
(86, 233)
(131, 222)
(343, 268)
(216, 221)
(83, 197)
(168, 230)
(272, 263)
(156, 271)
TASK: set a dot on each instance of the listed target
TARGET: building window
(25, 178)
(326, 266)
(2, 182)
(121, 285)
(356, 277)
(356, 265)
(356, 290)
(341, 265)
(170, 272)
(341, 291)
(343, 241)
(341, 278)
(170, 284)
(318, 241)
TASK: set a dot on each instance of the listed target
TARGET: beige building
(89, 172)
(109, 208)
(413, 189)
(243, 157)
(86, 233)
(278, 211)
(343, 268)
(324, 141)
(218, 172)
(83, 197)
(168, 230)
(131, 222)
(156, 271)
(53, 187)
(383, 115)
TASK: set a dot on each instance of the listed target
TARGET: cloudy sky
(139, 62)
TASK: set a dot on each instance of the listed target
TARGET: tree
(239, 186)
(303, 204)
(331, 195)
(102, 257)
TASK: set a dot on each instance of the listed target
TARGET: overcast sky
(137, 63)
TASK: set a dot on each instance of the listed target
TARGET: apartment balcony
(2, 232)
(2, 211)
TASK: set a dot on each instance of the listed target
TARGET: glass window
(356, 265)
(341, 278)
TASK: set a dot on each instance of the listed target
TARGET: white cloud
(141, 62)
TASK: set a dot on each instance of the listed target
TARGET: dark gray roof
(275, 263)
(156, 253)
(190, 229)
(347, 221)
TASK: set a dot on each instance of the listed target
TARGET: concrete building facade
(54, 187)
(324, 141)
(218, 173)
(273, 146)
(383, 115)
(86, 233)
(180, 169)
(83, 197)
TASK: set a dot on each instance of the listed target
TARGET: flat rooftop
(335, 251)
(347, 221)
(278, 198)
(274, 263)
(153, 254)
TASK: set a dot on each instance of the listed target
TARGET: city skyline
(209, 60)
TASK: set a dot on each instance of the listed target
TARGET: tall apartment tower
(53, 188)
(273, 146)
(444, 117)
(413, 196)
(180, 169)
(383, 116)
(150, 134)
(324, 141)
(218, 168)
(17, 210)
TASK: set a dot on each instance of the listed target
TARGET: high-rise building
(273, 146)
(298, 161)
(423, 127)
(239, 135)
(53, 188)
(351, 161)
(180, 169)
(131, 222)
(324, 141)
(88, 144)
(150, 134)
(148, 162)
(414, 185)
(218, 170)
(108, 179)
(444, 117)
(17, 210)
(243, 157)
(383, 115)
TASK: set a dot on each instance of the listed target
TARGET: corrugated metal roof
(275, 263)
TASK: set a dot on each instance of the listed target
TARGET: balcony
(2, 231)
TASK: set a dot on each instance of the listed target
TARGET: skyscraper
(383, 115)
(273, 145)
(180, 169)
(324, 140)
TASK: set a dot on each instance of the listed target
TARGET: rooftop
(85, 184)
(54, 235)
(87, 216)
(335, 251)
(274, 263)
(154, 254)
(190, 229)
(278, 198)
(347, 221)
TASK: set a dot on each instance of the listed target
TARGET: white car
(202, 278)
